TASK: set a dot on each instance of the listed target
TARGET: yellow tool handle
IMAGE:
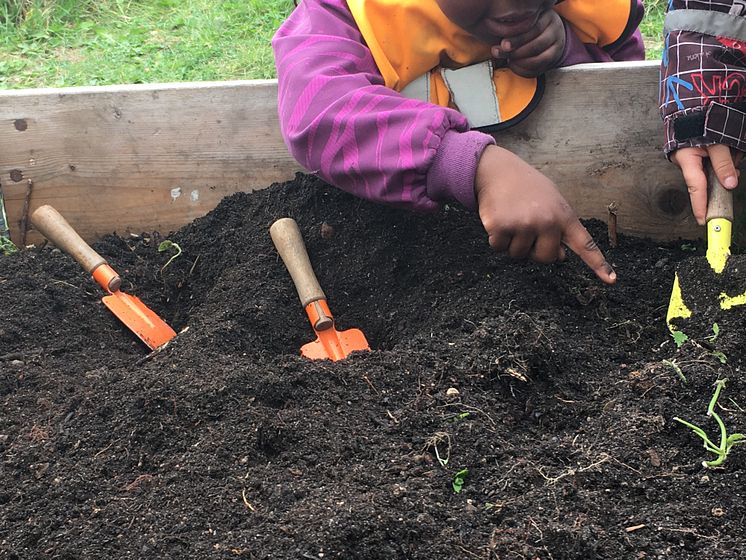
(54, 227)
(719, 219)
(289, 243)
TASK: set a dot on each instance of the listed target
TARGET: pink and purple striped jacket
(341, 122)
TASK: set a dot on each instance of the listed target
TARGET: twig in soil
(613, 237)
(471, 409)
(507, 474)
(141, 480)
(631, 337)
(66, 284)
(736, 405)
(147, 357)
(625, 465)
(102, 451)
(371, 385)
(692, 532)
(469, 552)
(572, 471)
(24, 213)
(157, 351)
(634, 528)
(246, 501)
(194, 265)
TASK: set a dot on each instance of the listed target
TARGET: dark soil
(555, 392)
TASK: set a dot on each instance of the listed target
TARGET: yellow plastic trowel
(694, 293)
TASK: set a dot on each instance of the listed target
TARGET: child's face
(493, 20)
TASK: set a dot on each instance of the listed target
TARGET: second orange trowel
(330, 343)
(140, 319)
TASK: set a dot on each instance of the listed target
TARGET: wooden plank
(599, 136)
(138, 158)
(155, 157)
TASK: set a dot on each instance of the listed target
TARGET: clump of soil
(550, 396)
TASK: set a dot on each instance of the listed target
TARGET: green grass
(652, 26)
(59, 43)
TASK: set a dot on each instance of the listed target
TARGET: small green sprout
(7, 247)
(720, 356)
(715, 332)
(688, 247)
(726, 441)
(440, 438)
(442, 460)
(459, 480)
(674, 366)
(165, 246)
(679, 337)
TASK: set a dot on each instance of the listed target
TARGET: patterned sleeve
(703, 74)
(340, 121)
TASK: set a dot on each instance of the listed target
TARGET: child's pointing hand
(526, 216)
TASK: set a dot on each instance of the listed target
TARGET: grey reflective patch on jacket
(472, 90)
(716, 24)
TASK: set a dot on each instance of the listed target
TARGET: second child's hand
(525, 215)
(691, 162)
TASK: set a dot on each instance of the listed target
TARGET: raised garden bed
(556, 393)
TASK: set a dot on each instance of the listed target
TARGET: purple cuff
(454, 168)
(577, 52)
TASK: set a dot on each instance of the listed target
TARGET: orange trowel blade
(330, 343)
(335, 345)
(139, 318)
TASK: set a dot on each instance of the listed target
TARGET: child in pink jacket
(392, 101)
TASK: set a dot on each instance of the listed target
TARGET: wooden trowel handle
(289, 243)
(54, 227)
(719, 199)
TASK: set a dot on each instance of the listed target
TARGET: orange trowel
(140, 319)
(330, 343)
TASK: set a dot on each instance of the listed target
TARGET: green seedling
(726, 441)
(715, 332)
(437, 438)
(7, 247)
(720, 356)
(459, 480)
(688, 247)
(166, 246)
(679, 338)
(674, 366)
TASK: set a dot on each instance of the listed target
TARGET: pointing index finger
(577, 238)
